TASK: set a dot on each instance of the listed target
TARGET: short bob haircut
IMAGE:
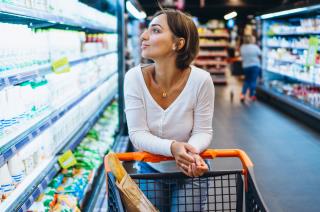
(182, 26)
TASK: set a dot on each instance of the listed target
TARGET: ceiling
(216, 9)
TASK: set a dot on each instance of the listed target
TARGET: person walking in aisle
(250, 53)
(169, 104)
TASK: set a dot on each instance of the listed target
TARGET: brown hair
(182, 26)
(247, 39)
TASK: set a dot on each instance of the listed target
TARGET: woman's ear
(181, 42)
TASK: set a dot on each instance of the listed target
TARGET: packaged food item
(66, 203)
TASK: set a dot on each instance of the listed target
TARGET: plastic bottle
(6, 182)
(16, 169)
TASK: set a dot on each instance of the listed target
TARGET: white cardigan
(187, 119)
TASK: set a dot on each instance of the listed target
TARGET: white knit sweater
(187, 119)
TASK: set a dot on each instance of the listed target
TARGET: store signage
(67, 160)
(61, 66)
(312, 52)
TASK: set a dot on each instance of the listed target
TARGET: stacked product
(68, 189)
(306, 93)
(72, 11)
(27, 103)
(213, 53)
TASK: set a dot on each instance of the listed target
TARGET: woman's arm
(203, 115)
(135, 110)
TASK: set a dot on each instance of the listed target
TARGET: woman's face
(157, 41)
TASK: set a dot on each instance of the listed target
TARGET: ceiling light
(230, 15)
(134, 11)
(281, 13)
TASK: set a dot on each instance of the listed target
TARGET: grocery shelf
(291, 61)
(295, 33)
(38, 181)
(42, 19)
(9, 148)
(207, 54)
(214, 36)
(213, 45)
(311, 82)
(287, 47)
(9, 78)
(217, 72)
(291, 105)
(210, 63)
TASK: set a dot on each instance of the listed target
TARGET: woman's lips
(143, 46)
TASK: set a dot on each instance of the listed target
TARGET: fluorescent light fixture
(230, 15)
(134, 11)
(286, 12)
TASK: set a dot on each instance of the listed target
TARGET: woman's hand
(184, 160)
(199, 167)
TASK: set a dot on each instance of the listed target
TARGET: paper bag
(132, 197)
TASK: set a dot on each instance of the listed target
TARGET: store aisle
(286, 153)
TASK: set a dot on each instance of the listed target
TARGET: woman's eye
(155, 30)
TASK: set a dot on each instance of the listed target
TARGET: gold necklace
(164, 93)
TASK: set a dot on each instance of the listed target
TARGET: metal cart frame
(233, 190)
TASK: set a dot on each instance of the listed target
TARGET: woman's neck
(166, 73)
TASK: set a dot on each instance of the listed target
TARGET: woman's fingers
(184, 169)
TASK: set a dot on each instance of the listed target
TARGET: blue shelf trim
(42, 71)
(16, 144)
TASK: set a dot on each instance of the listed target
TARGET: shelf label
(312, 52)
(67, 160)
(61, 66)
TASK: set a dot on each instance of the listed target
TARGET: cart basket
(233, 190)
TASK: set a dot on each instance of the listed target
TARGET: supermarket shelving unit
(34, 184)
(290, 61)
(213, 55)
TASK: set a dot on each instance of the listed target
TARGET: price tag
(67, 160)
(312, 51)
(61, 66)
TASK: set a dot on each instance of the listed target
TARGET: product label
(61, 66)
(67, 160)
(312, 52)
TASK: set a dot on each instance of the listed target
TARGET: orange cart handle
(207, 154)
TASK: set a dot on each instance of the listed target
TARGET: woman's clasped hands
(188, 161)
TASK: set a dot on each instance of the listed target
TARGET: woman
(169, 104)
(250, 54)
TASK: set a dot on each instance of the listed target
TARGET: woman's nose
(144, 35)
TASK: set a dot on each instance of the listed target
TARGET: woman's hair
(182, 26)
(248, 39)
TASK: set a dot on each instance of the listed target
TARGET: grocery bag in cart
(232, 190)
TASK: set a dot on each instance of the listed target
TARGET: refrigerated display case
(291, 62)
(59, 71)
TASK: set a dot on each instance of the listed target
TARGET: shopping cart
(215, 191)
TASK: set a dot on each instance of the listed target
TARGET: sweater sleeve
(135, 110)
(203, 116)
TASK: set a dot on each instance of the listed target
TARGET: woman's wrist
(171, 147)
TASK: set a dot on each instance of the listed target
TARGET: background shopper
(250, 53)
